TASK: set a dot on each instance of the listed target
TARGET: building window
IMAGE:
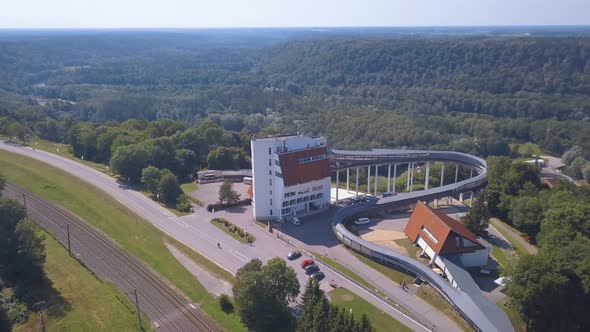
(300, 200)
(292, 202)
(271, 212)
(270, 162)
(320, 195)
(269, 150)
(278, 163)
(285, 204)
(312, 197)
(270, 192)
(430, 235)
(271, 202)
(269, 172)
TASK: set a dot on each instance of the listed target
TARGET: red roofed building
(438, 234)
(291, 176)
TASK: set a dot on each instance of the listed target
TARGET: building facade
(290, 176)
(442, 236)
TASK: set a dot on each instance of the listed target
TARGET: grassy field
(514, 316)
(189, 187)
(411, 249)
(429, 295)
(387, 271)
(343, 270)
(520, 249)
(344, 298)
(526, 149)
(65, 150)
(79, 300)
(130, 231)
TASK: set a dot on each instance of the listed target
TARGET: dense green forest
(469, 93)
(22, 254)
(551, 289)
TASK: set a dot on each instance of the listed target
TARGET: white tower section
(291, 176)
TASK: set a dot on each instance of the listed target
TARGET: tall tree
(227, 193)
(478, 218)
(169, 188)
(262, 294)
(150, 177)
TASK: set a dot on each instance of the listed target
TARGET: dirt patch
(347, 297)
(385, 238)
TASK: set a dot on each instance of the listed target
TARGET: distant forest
(472, 93)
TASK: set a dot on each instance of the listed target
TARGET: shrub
(183, 204)
(225, 303)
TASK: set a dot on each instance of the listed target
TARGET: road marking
(237, 255)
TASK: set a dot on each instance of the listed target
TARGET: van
(362, 221)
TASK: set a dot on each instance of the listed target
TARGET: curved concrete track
(467, 298)
(167, 310)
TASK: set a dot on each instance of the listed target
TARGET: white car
(362, 221)
(295, 221)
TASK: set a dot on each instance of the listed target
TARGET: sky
(288, 13)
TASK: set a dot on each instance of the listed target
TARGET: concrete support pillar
(435, 202)
(369, 179)
(471, 199)
(412, 177)
(337, 183)
(376, 178)
(433, 259)
(357, 182)
(427, 179)
(347, 178)
(456, 173)
(389, 178)
(408, 177)
(394, 176)
(442, 175)
(471, 173)
(461, 197)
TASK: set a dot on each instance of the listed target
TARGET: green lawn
(514, 316)
(344, 298)
(65, 150)
(126, 228)
(411, 249)
(387, 271)
(520, 249)
(79, 300)
(429, 295)
(342, 269)
(189, 187)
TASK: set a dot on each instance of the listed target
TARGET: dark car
(293, 255)
(319, 275)
(311, 268)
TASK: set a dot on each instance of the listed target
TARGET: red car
(307, 262)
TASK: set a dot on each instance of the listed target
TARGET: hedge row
(219, 206)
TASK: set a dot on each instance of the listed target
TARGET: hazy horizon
(228, 14)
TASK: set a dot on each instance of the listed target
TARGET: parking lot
(208, 193)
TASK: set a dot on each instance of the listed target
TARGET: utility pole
(25, 203)
(137, 308)
(69, 246)
(39, 307)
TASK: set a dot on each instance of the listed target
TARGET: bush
(225, 303)
(218, 206)
(183, 204)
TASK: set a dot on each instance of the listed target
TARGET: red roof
(295, 172)
(551, 183)
(443, 228)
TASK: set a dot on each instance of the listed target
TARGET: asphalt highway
(196, 232)
(167, 310)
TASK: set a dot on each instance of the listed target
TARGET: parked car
(296, 221)
(319, 275)
(362, 221)
(307, 262)
(311, 268)
(293, 255)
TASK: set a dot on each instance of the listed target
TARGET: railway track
(167, 310)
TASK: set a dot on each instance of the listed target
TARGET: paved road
(196, 232)
(167, 310)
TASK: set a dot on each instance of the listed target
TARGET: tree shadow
(30, 293)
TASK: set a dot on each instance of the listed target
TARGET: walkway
(514, 235)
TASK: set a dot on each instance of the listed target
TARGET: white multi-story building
(291, 176)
